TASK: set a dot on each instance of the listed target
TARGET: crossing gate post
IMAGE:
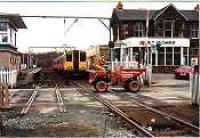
(195, 86)
(148, 75)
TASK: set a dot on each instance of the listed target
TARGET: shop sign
(162, 42)
(168, 42)
(165, 42)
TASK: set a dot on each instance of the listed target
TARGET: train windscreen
(82, 56)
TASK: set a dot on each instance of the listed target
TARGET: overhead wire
(89, 1)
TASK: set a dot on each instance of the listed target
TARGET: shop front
(161, 53)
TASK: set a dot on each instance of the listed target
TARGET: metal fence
(8, 77)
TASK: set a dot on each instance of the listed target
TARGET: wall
(10, 60)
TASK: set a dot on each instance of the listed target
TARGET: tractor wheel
(134, 86)
(101, 86)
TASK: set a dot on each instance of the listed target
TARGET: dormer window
(169, 26)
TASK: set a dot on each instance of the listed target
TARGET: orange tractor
(129, 78)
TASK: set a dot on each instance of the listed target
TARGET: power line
(79, 17)
(90, 1)
(74, 22)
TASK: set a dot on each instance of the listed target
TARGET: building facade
(165, 38)
(9, 25)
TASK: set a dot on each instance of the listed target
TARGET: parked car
(183, 72)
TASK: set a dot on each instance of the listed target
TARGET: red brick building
(176, 32)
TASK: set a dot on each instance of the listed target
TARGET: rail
(185, 123)
(30, 102)
(60, 100)
(114, 109)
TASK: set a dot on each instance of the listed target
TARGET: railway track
(60, 100)
(176, 121)
(30, 102)
(114, 109)
(152, 109)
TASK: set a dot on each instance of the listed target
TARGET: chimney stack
(196, 8)
(119, 5)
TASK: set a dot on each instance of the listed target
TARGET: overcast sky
(50, 32)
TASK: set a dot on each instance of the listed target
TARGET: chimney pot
(119, 5)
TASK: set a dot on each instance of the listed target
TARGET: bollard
(148, 75)
(195, 86)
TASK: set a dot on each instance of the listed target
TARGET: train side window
(68, 57)
(82, 56)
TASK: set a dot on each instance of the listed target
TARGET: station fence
(8, 77)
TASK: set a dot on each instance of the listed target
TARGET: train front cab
(68, 64)
(75, 62)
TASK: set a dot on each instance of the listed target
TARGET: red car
(183, 72)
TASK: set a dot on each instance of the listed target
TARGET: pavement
(169, 90)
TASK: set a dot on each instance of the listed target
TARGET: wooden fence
(8, 77)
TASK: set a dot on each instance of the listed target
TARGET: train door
(76, 59)
(82, 64)
(68, 63)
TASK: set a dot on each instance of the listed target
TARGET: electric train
(71, 62)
